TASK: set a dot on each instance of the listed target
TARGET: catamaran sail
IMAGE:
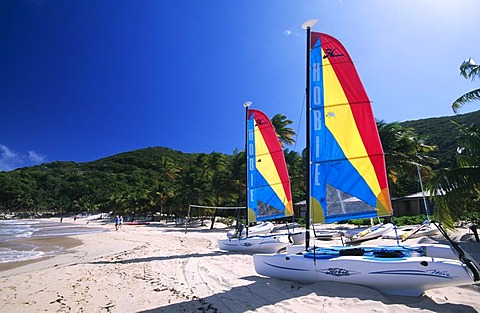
(348, 180)
(268, 185)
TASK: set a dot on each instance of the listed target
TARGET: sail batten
(268, 183)
(348, 178)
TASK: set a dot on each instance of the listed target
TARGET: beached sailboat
(424, 229)
(412, 231)
(347, 161)
(268, 193)
(376, 231)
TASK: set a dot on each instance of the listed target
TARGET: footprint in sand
(29, 303)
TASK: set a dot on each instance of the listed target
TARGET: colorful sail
(348, 178)
(268, 183)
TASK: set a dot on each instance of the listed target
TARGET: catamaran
(268, 193)
(424, 229)
(347, 161)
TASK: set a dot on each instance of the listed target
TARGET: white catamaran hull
(369, 233)
(407, 232)
(434, 266)
(260, 229)
(255, 244)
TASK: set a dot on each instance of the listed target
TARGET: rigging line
(300, 122)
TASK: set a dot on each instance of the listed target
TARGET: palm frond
(469, 69)
(459, 181)
(473, 95)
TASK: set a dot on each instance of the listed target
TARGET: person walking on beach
(117, 222)
(121, 221)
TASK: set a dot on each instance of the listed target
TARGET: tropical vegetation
(458, 187)
(469, 70)
(165, 182)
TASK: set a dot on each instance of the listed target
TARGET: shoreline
(160, 268)
(46, 245)
(32, 240)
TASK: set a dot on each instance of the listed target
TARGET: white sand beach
(159, 268)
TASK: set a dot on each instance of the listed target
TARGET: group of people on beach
(118, 222)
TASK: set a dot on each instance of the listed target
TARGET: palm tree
(164, 188)
(237, 170)
(285, 134)
(296, 171)
(168, 169)
(216, 162)
(404, 149)
(217, 181)
(469, 70)
(191, 180)
(459, 188)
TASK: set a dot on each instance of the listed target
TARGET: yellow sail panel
(341, 123)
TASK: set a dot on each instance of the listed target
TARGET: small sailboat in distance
(268, 194)
(346, 160)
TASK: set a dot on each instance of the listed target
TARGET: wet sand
(45, 244)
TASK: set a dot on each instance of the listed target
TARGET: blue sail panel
(268, 183)
(348, 177)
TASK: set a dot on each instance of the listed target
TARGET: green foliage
(164, 180)
(138, 182)
(399, 221)
(471, 216)
(285, 134)
(229, 221)
(443, 134)
(410, 220)
(460, 186)
(302, 222)
(469, 70)
(358, 222)
(404, 150)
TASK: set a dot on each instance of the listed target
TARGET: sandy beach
(160, 268)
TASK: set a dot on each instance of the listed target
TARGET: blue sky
(82, 80)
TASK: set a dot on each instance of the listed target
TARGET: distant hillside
(105, 184)
(442, 133)
(143, 181)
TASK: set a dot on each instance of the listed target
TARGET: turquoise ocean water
(13, 234)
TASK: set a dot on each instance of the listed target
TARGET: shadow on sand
(225, 301)
(161, 258)
(264, 292)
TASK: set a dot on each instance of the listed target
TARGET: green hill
(158, 178)
(120, 181)
(443, 133)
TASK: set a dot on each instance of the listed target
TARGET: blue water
(13, 233)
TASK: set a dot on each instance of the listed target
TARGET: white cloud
(7, 153)
(290, 32)
(35, 157)
(10, 160)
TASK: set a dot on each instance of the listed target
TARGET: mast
(307, 115)
(307, 26)
(427, 213)
(246, 105)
